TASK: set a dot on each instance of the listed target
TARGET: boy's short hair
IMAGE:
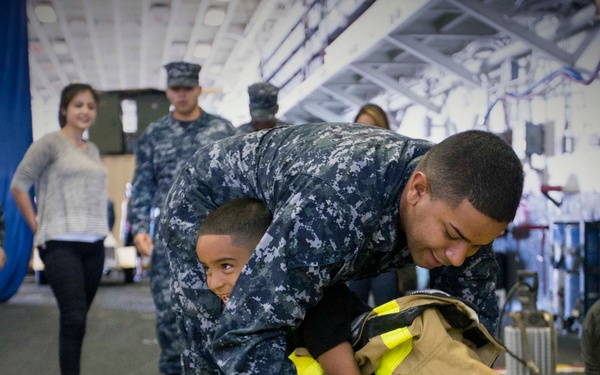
(479, 166)
(247, 219)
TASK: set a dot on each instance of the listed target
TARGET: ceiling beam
(95, 42)
(434, 57)
(193, 38)
(46, 45)
(261, 15)
(171, 27)
(581, 19)
(144, 32)
(391, 84)
(496, 20)
(355, 42)
(37, 71)
(454, 23)
(445, 36)
(118, 21)
(63, 22)
(520, 48)
(589, 38)
(222, 31)
(320, 112)
(344, 97)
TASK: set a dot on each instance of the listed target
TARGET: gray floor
(120, 336)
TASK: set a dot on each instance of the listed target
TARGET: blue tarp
(15, 138)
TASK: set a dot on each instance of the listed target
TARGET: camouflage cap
(263, 101)
(182, 74)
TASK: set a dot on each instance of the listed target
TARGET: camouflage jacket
(161, 151)
(334, 191)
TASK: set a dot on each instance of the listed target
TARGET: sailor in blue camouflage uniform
(348, 201)
(164, 147)
(263, 108)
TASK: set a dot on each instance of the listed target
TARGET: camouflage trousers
(167, 331)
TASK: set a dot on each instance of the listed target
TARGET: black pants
(73, 270)
(384, 288)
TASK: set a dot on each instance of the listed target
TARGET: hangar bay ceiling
(329, 57)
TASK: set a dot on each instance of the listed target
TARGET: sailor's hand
(143, 242)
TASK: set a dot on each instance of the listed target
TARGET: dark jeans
(73, 270)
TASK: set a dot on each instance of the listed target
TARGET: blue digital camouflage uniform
(262, 102)
(334, 191)
(248, 128)
(164, 147)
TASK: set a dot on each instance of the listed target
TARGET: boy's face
(222, 261)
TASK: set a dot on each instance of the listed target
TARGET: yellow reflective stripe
(306, 365)
(399, 341)
(390, 307)
(393, 358)
(396, 337)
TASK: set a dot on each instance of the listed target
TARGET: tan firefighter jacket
(427, 332)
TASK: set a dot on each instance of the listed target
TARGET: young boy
(227, 239)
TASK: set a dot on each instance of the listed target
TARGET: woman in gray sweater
(70, 218)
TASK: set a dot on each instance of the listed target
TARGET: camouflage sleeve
(474, 281)
(2, 227)
(144, 186)
(197, 308)
(286, 275)
(244, 129)
(306, 245)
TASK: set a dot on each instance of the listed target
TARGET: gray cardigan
(70, 187)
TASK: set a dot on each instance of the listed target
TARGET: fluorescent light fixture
(60, 48)
(45, 13)
(202, 50)
(214, 17)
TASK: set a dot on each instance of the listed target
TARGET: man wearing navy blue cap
(164, 147)
(263, 108)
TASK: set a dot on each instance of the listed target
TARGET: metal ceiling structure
(329, 57)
